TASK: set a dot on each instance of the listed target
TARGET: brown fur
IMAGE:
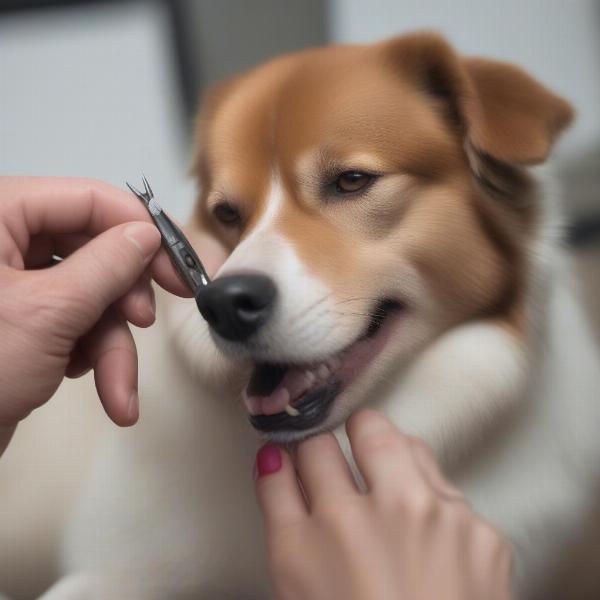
(437, 122)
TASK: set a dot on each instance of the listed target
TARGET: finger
(491, 556)
(102, 271)
(39, 254)
(138, 305)
(55, 205)
(211, 252)
(432, 472)
(277, 490)
(166, 276)
(111, 352)
(44, 246)
(383, 456)
(161, 269)
(70, 205)
(78, 365)
(323, 470)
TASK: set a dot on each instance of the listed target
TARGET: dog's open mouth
(296, 397)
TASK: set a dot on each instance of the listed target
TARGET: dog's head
(368, 198)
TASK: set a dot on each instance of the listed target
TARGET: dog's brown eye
(227, 214)
(352, 181)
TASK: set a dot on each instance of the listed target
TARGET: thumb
(104, 269)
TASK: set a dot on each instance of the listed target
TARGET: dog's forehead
(342, 101)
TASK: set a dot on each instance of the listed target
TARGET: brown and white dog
(386, 241)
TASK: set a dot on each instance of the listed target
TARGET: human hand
(72, 317)
(410, 535)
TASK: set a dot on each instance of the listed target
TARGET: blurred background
(108, 89)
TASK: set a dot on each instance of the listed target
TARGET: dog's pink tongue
(291, 386)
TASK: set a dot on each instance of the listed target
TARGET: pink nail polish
(268, 460)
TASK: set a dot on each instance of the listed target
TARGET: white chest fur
(177, 491)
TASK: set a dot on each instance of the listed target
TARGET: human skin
(72, 317)
(410, 535)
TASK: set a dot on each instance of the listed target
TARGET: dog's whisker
(356, 299)
(312, 306)
(374, 317)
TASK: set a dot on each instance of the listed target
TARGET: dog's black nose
(236, 306)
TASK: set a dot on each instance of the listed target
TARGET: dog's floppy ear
(502, 111)
(510, 115)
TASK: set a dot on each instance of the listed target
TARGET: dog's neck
(467, 384)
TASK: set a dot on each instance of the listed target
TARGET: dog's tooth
(276, 402)
(292, 411)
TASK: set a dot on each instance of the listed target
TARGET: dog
(388, 236)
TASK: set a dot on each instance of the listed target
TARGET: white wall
(91, 92)
(556, 40)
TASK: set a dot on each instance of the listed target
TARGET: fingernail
(145, 237)
(268, 460)
(133, 406)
